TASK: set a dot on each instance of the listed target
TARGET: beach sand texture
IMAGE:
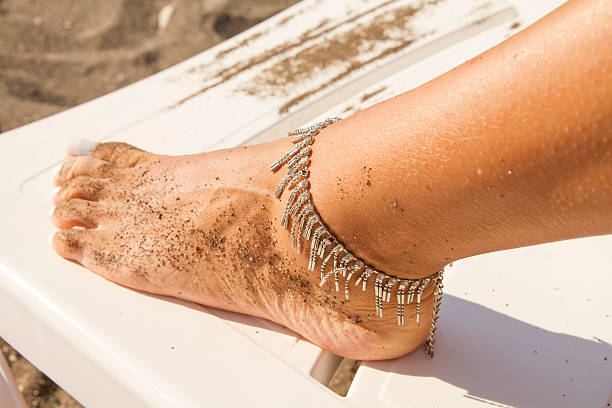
(55, 54)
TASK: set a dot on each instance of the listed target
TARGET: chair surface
(110, 346)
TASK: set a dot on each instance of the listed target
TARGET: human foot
(205, 228)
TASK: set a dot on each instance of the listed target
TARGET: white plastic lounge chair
(10, 397)
(110, 346)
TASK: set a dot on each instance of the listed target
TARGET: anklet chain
(324, 246)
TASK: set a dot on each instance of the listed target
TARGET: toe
(90, 248)
(85, 166)
(121, 154)
(71, 243)
(83, 187)
(78, 212)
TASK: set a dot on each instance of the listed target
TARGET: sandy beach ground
(55, 54)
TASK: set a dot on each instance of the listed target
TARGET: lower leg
(428, 180)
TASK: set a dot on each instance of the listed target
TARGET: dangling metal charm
(401, 299)
(324, 246)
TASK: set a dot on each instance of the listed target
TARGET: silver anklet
(324, 246)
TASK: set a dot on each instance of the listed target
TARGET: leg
(429, 179)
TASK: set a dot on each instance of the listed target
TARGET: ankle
(300, 207)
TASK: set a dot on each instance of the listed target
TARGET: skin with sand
(512, 148)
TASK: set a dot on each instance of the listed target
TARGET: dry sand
(55, 54)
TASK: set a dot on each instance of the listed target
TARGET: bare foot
(205, 228)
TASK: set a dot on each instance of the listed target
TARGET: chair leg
(10, 397)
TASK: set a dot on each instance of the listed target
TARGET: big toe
(85, 166)
(120, 154)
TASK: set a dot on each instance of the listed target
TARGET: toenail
(57, 169)
(81, 147)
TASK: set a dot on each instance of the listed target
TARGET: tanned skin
(512, 148)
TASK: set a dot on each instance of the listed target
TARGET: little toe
(90, 249)
(83, 187)
(71, 243)
(120, 154)
(78, 212)
(85, 166)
